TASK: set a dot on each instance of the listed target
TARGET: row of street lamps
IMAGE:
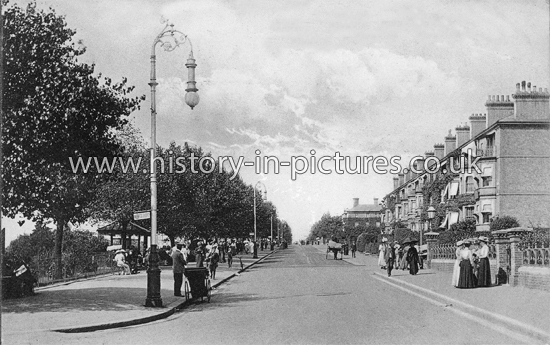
(170, 39)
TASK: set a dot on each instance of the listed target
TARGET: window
(487, 181)
(486, 217)
(469, 184)
(468, 212)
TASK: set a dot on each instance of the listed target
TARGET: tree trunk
(58, 254)
(172, 240)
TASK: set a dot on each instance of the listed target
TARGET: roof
(116, 228)
(366, 208)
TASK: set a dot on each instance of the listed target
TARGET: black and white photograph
(275, 172)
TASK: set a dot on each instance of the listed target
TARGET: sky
(361, 78)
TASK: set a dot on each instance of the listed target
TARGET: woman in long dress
(456, 268)
(466, 280)
(413, 260)
(403, 264)
(382, 249)
(484, 271)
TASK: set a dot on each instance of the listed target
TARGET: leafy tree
(54, 108)
(459, 231)
(126, 191)
(26, 247)
(328, 226)
(504, 222)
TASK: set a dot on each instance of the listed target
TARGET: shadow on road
(101, 298)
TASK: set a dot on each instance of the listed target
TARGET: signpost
(140, 215)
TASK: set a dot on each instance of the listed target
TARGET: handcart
(197, 283)
(333, 247)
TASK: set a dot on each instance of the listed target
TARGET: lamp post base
(255, 256)
(153, 280)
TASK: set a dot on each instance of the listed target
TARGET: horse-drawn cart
(333, 247)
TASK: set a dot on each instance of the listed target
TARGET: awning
(444, 192)
(487, 171)
(453, 218)
(444, 224)
(454, 188)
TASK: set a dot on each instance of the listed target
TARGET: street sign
(142, 215)
(251, 234)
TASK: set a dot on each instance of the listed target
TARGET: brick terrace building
(513, 145)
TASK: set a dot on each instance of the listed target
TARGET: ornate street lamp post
(431, 216)
(169, 39)
(255, 256)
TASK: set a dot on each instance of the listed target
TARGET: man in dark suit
(389, 257)
(178, 266)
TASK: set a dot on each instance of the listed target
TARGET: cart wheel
(208, 290)
(187, 292)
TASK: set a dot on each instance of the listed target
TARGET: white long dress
(381, 260)
(456, 268)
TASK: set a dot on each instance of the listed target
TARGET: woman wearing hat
(484, 271)
(412, 257)
(456, 268)
(466, 279)
(381, 255)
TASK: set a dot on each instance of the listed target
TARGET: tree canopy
(54, 108)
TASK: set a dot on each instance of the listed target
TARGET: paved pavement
(102, 302)
(115, 301)
(522, 309)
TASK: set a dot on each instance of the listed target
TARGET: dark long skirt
(484, 273)
(466, 280)
(412, 258)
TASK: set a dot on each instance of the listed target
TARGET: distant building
(512, 143)
(363, 214)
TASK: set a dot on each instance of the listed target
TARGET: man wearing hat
(484, 271)
(178, 267)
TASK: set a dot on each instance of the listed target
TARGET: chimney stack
(355, 202)
(530, 103)
(450, 143)
(498, 108)
(462, 135)
(439, 151)
(395, 182)
(401, 177)
(478, 123)
(376, 201)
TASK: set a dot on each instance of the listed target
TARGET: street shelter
(125, 232)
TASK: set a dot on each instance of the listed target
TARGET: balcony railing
(488, 152)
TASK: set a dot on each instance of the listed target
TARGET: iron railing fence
(43, 267)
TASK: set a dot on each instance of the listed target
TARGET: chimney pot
(529, 86)
(534, 89)
(355, 202)
(376, 201)
(523, 85)
(517, 87)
